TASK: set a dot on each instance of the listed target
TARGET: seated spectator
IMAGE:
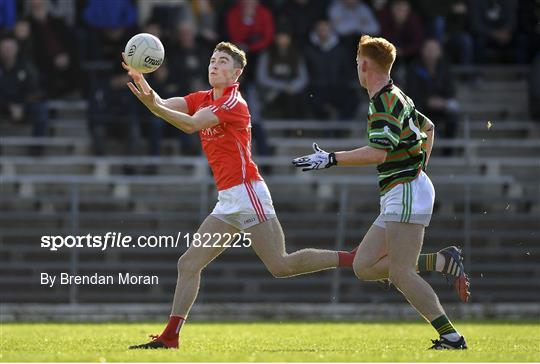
(283, 77)
(494, 25)
(330, 91)
(448, 22)
(8, 14)
(113, 112)
(186, 71)
(54, 50)
(188, 58)
(99, 17)
(102, 14)
(301, 16)
(401, 26)
(167, 13)
(21, 99)
(458, 37)
(64, 9)
(430, 84)
(23, 35)
(165, 86)
(207, 21)
(352, 18)
(250, 26)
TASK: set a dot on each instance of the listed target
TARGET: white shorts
(410, 202)
(245, 205)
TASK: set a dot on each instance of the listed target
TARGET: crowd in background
(301, 56)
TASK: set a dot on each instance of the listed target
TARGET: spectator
(64, 9)
(329, 93)
(20, 94)
(301, 16)
(282, 74)
(186, 71)
(251, 27)
(167, 13)
(23, 33)
(8, 14)
(352, 18)
(458, 38)
(448, 22)
(401, 26)
(221, 9)
(166, 88)
(430, 84)
(103, 14)
(188, 58)
(54, 50)
(494, 24)
(207, 20)
(112, 109)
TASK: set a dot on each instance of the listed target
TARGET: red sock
(173, 327)
(346, 258)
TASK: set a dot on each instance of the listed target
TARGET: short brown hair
(238, 55)
(381, 51)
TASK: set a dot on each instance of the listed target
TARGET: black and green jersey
(396, 126)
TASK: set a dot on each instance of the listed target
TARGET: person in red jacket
(250, 25)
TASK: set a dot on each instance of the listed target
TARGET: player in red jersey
(221, 117)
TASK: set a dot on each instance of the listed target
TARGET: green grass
(271, 342)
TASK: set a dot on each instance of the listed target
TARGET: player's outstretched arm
(175, 103)
(363, 156)
(358, 157)
(204, 118)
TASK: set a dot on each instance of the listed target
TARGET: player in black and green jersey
(396, 126)
(400, 140)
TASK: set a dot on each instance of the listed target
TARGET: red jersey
(227, 145)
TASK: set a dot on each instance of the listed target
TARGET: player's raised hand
(135, 75)
(318, 160)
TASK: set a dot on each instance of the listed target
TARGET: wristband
(332, 161)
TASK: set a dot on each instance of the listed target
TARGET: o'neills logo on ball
(132, 50)
(152, 61)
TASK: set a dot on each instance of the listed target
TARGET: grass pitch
(269, 342)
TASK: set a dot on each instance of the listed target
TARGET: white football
(144, 52)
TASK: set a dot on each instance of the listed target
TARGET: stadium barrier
(130, 312)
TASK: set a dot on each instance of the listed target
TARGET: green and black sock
(443, 325)
(427, 262)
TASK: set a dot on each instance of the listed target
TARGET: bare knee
(364, 272)
(187, 268)
(362, 269)
(401, 276)
(280, 271)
